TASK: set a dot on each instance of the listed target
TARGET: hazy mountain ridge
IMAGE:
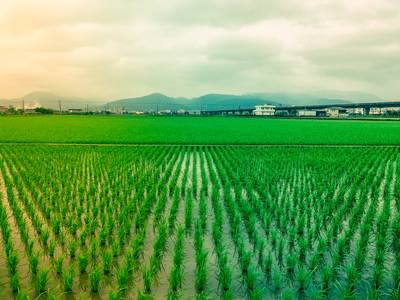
(160, 102)
(46, 100)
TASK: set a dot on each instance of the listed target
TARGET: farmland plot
(198, 222)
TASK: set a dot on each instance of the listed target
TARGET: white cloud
(106, 50)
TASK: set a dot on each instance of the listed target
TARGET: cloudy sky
(101, 49)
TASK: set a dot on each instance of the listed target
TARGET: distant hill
(296, 99)
(154, 102)
(226, 101)
(353, 96)
(206, 102)
(330, 101)
(46, 100)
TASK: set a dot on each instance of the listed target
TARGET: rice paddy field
(201, 215)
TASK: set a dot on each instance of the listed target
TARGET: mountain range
(161, 102)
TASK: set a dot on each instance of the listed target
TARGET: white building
(195, 112)
(356, 111)
(307, 113)
(264, 110)
(117, 110)
(337, 112)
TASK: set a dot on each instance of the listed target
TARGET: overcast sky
(101, 49)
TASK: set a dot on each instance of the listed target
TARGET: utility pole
(23, 105)
(87, 108)
(157, 108)
(59, 105)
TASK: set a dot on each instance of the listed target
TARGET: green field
(198, 221)
(196, 130)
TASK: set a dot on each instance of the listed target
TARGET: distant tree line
(44, 111)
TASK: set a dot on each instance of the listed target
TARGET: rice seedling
(52, 248)
(147, 278)
(201, 277)
(122, 274)
(246, 260)
(352, 275)
(277, 279)
(303, 277)
(106, 258)
(83, 236)
(14, 282)
(30, 247)
(251, 279)
(63, 237)
(12, 262)
(56, 225)
(95, 277)
(34, 262)
(93, 248)
(268, 262)
(291, 262)
(115, 248)
(41, 280)
(58, 264)
(227, 294)
(45, 236)
(73, 246)
(9, 247)
(68, 278)
(225, 278)
(377, 279)
(256, 293)
(83, 261)
(115, 294)
(103, 236)
(22, 295)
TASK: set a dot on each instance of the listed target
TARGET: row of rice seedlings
(225, 271)
(225, 275)
(382, 226)
(175, 176)
(91, 228)
(150, 200)
(249, 272)
(201, 262)
(15, 173)
(12, 256)
(176, 278)
(72, 249)
(163, 193)
(184, 180)
(41, 278)
(174, 210)
(189, 209)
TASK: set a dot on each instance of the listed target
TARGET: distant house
(117, 110)
(164, 112)
(311, 113)
(337, 112)
(3, 109)
(195, 112)
(75, 110)
(181, 112)
(264, 110)
(356, 111)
